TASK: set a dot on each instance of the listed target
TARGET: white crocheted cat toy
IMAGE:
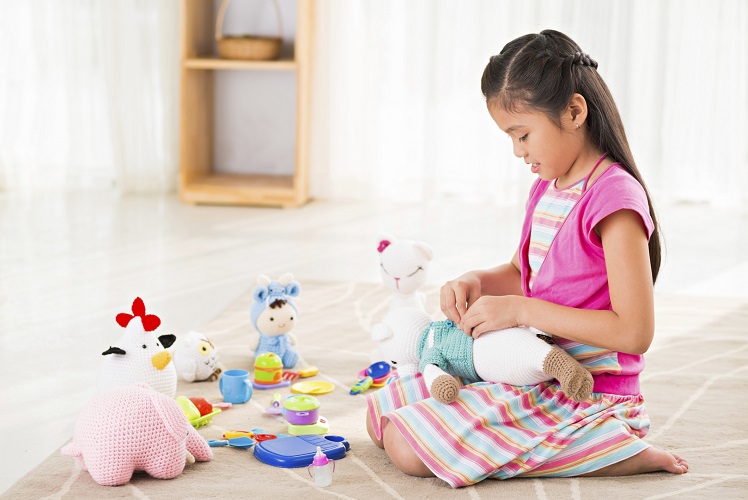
(274, 315)
(139, 356)
(403, 265)
(441, 352)
(196, 358)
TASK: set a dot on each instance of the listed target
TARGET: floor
(70, 263)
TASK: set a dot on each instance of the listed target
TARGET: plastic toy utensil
(239, 442)
(312, 387)
(361, 385)
(275, 408)
(378, 370)
(236, 434)
(290, 375)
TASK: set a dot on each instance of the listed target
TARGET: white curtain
(399, 114)
(89, 94)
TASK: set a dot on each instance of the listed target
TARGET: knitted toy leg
(575, 380)
(442, 386)
(290, 358)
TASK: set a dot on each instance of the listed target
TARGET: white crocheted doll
(516, 356)
(441, 352)
(196, 358)
(403, 265)
(139, 356)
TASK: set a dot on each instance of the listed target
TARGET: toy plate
(298, 451)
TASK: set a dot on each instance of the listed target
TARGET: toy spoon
(240, 442)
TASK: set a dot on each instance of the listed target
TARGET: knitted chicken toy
(131, 428)
(196, 358)
(403, 266)
(441, 352)
(274, 315)
(139, 356)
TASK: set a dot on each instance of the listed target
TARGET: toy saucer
(312, 387)
(321, 426)
(282, 383)
(376, 382)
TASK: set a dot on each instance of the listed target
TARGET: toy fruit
(202, 405)
(188, 407)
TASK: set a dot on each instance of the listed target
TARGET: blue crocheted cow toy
(273, 315)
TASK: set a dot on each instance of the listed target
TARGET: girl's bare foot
(652, 459)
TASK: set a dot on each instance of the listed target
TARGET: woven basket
(248, 47)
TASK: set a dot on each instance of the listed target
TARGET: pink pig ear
(382, 245)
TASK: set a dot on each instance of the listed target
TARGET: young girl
(588, 256)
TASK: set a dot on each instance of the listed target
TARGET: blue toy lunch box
(299, 451)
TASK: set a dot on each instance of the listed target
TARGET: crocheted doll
(516, 356)
(131, 428)
(441, 352)
(274, 315)
(403, 265)
(196, 358)
(139, 356)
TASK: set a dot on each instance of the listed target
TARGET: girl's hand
(490, 313)
(458, 295)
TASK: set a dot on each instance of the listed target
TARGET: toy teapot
(323, 468)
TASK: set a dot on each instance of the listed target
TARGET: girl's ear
(577, 110)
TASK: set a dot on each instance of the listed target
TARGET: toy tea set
(137, 400)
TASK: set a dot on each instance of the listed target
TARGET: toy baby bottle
(323, 468)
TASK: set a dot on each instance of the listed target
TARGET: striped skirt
(501, 431)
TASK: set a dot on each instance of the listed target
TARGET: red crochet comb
(150, 321)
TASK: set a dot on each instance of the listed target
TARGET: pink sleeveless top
(573, 270)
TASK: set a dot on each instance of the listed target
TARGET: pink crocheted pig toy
(131, 428)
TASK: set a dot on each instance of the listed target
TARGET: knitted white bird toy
(274, 315)
(139, 356)
(196, 358)
(403, 265)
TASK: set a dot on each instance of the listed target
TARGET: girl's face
(551, 152)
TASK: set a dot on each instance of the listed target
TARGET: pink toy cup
(235, 386)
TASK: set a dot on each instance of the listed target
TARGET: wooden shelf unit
(199, 182)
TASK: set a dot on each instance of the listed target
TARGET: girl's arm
(458, 295)
(628, 327)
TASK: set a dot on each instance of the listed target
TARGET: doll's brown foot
(575, 380)
(445, 388)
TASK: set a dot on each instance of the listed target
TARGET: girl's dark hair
(542, 72)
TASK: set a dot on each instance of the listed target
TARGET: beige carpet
(696, 383)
